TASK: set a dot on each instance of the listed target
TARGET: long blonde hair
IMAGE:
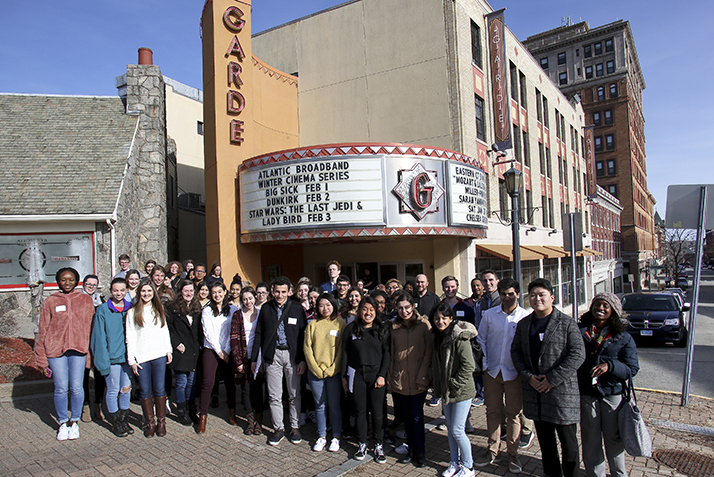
(155, 304)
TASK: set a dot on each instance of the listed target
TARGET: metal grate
(688, 463)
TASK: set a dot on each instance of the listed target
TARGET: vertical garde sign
(499, 84)
(235, 101)
(590, 160)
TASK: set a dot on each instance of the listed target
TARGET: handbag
(633, 430)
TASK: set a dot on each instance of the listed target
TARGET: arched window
(613, 90)
(601, 93)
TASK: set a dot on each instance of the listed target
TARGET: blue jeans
(119, 378)
(184, 386)
(68, 376)
(456, 414)
(152, 375)
(328, 391)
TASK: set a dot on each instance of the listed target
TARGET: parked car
(657, 317)
(683, 283)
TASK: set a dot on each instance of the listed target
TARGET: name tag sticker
(354, 337)
(59, 308)
(541, 336)
(333, 332)
(459, 312)
(292, 321)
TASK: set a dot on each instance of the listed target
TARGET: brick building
(607, 269)
(600, 66)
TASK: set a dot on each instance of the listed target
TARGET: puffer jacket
(620, 352)
(453, 363)
(561, 355)
(412, 347)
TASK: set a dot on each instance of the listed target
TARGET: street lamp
(513, 187)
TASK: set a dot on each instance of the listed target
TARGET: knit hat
(612, 300)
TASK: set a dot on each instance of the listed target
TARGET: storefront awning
(585, 252)
(505, 251)
(545, 251)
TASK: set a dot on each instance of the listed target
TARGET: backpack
(478, 356)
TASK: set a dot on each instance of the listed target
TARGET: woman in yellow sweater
(323, 354)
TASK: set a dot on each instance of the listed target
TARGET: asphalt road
(662, 365)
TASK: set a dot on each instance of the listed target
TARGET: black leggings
(365, 396)
(251, 394)
(99, 386)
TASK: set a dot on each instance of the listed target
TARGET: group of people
(537, 371)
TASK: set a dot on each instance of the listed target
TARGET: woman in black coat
(610, 361)
(184, 319)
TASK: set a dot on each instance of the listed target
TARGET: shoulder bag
(633, 429)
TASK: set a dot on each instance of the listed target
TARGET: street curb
(662, 391)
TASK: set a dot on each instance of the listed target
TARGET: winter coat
(65, 324)
(412, 347)
(453, 363)
(109, 336)
(561, 354)
(323, 347)
(190, 335)
(619, 352)
(295, 324)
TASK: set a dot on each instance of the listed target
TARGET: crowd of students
(538, 371)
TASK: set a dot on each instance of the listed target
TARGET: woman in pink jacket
(62, 347)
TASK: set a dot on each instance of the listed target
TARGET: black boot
(124, 416)
(182, 414)
(192, 411)
(117, 427)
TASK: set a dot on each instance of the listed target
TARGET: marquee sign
(499, 83)
(418, 191)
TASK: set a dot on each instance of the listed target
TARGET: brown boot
(258, 429)
(147, 407)
(201, 428)
(251, 424)
(232, 417)
(160, 416)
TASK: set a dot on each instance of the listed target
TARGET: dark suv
(656, 316)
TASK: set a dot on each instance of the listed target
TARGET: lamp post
(513, 187)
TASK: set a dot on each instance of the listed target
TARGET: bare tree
(678, 244)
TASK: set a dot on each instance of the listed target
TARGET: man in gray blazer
(547, 351)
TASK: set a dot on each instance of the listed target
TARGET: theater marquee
(372, 189)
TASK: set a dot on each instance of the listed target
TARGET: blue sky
(79, 46)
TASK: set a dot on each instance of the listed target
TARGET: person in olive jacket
(183, 316)
(610, 361)
(547, 351)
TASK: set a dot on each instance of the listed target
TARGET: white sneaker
(441, 426)
(334, 445)
(401, 434)
(402, 449)
(63, 432)
(452, 470)
(320, 444)
(464, 472)
(73, 431)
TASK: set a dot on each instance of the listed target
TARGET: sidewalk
(29, 447)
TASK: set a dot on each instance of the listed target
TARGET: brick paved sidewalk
(28, 446)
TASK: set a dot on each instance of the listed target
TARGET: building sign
(26, 258)
(293, 193)
(418, 191)
(316, 193)
(499, 82)
(235, 101)
(469, 202)
(590, 160)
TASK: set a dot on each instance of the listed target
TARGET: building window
(597, 119)
(529, 207)
(545, 112)
(539, 106)
(613, 90)
(611, 170)
(560, 170)
(598, 48)
(565, 173)
(563, 78)
(612, 189)
(505, 211)
(480, 129)
(548, 171)
(475, 44)
(610, 66)
(514, 80)
(544, 63)
(526, 150)
(517, 151)
(524, 91)
(580, 71)
(541, 157)
(598, 143)
(608, 116)
(551, 219)
(601, 93)
(587, 51)
(599, 169)
(561, 58)
(599, 71)
(577, 52)
(544, 208)
(199, 128)
(610, 142)
(588, 72)
(609, 45)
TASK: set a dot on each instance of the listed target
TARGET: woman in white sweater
(149, 350)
